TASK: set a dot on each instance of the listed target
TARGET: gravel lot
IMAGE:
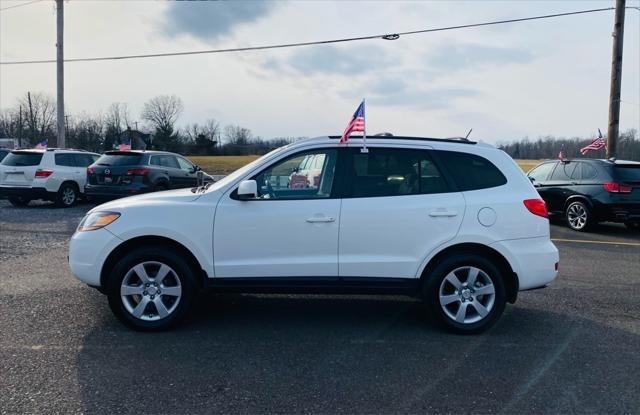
(573, 347)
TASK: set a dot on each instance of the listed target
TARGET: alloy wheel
(467, 295)
(151, 291)
(577, 216)
(68, 196)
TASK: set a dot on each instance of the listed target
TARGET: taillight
(615, 187)
(43, 173)
(137, 172)
(537, 207)
(89, 170)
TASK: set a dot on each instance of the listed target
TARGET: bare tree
(163, 112)
(236, 135)
(118, 117)
(40, 111)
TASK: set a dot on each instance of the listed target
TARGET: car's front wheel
(465, 293)
(578, 216)
(151, 288)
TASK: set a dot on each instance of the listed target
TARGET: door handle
(443, 213)
(320, 219)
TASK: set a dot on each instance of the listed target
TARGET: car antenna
(466, 137)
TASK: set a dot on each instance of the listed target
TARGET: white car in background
(452, 222)
(59, 175)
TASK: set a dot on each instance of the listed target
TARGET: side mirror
(531, 179)
(197, 168)
(248, 189)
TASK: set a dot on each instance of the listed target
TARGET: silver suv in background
(53, 174)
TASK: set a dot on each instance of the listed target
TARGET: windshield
(242, 170)
(123, 159)
(22, 158)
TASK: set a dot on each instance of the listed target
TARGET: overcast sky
(505, 82)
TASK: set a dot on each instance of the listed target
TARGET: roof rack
(461, 140)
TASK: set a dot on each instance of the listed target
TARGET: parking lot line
(585, 241)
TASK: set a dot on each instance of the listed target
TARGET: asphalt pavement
(572, 347)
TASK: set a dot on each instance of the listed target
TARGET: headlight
(97, 220)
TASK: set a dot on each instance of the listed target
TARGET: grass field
(227, 164)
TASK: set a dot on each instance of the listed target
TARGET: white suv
(52, 174)
(455, 223)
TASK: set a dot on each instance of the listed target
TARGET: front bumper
(87, 253)
(532, 259)
(26, 192)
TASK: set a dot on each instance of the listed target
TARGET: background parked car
(125, 173)
(52, 174)
(587, 191)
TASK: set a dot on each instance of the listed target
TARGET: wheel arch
(575, 198)
(133, 243)
(511, 278)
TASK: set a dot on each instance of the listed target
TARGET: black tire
(180, 272)
(19, 201)
(67, 195)
(468, 298)
(578, 216)
(160, 187)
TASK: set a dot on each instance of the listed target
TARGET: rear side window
(394, 172)
(563, 171)
(25, 158)
(84, 160)
(471, 172)
(122, 159)
(66, 160)
(627, 173)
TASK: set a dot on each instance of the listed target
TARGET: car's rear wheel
(578, 216)
(67, 195)
(19, 201)
(465, 293)
(151, 289)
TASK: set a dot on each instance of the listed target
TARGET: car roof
(139, 152)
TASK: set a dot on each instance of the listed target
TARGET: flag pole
(364, 148)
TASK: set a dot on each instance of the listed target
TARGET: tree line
(33, 119)
(549, 147)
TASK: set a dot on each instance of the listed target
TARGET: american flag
(355, 124)
(43, 143)
(596, 144)
(126, 145)
(561, 156)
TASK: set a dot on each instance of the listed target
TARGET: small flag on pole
(560, 156)
(126, 145)
(43, 143)
(355, 124)
(596, 144)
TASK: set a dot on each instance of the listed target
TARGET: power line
(20, 5)
(388, 36)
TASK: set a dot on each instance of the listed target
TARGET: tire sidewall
(59, 200)
(431, 293)
(586, 209)
(160, 254)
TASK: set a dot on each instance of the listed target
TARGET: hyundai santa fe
(454, 223)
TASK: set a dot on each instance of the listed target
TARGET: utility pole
(60, 71)
(20, 128)
(616, 81)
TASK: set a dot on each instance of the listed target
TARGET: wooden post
(60, 72)
(616, 81)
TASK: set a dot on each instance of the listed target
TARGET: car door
(65, 170)
(559, 186)
(172, 169)
(189, 177)
(398, 207)
(538, 176)
(287, 231)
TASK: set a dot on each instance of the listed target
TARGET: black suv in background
(587, 191)
(126, 173)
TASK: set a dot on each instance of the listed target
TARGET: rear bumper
(26, 192)
(114, 191)
(618, 212)
(532, 259)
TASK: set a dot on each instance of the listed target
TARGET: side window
(563, 171)
(588, 171)
(287, 180)
(577, 172)
(540, 173)
(394, 172)
(185, 165)
(155, 161)
(83, 160)
(65, 159)
(471, 172)
(170, 161)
